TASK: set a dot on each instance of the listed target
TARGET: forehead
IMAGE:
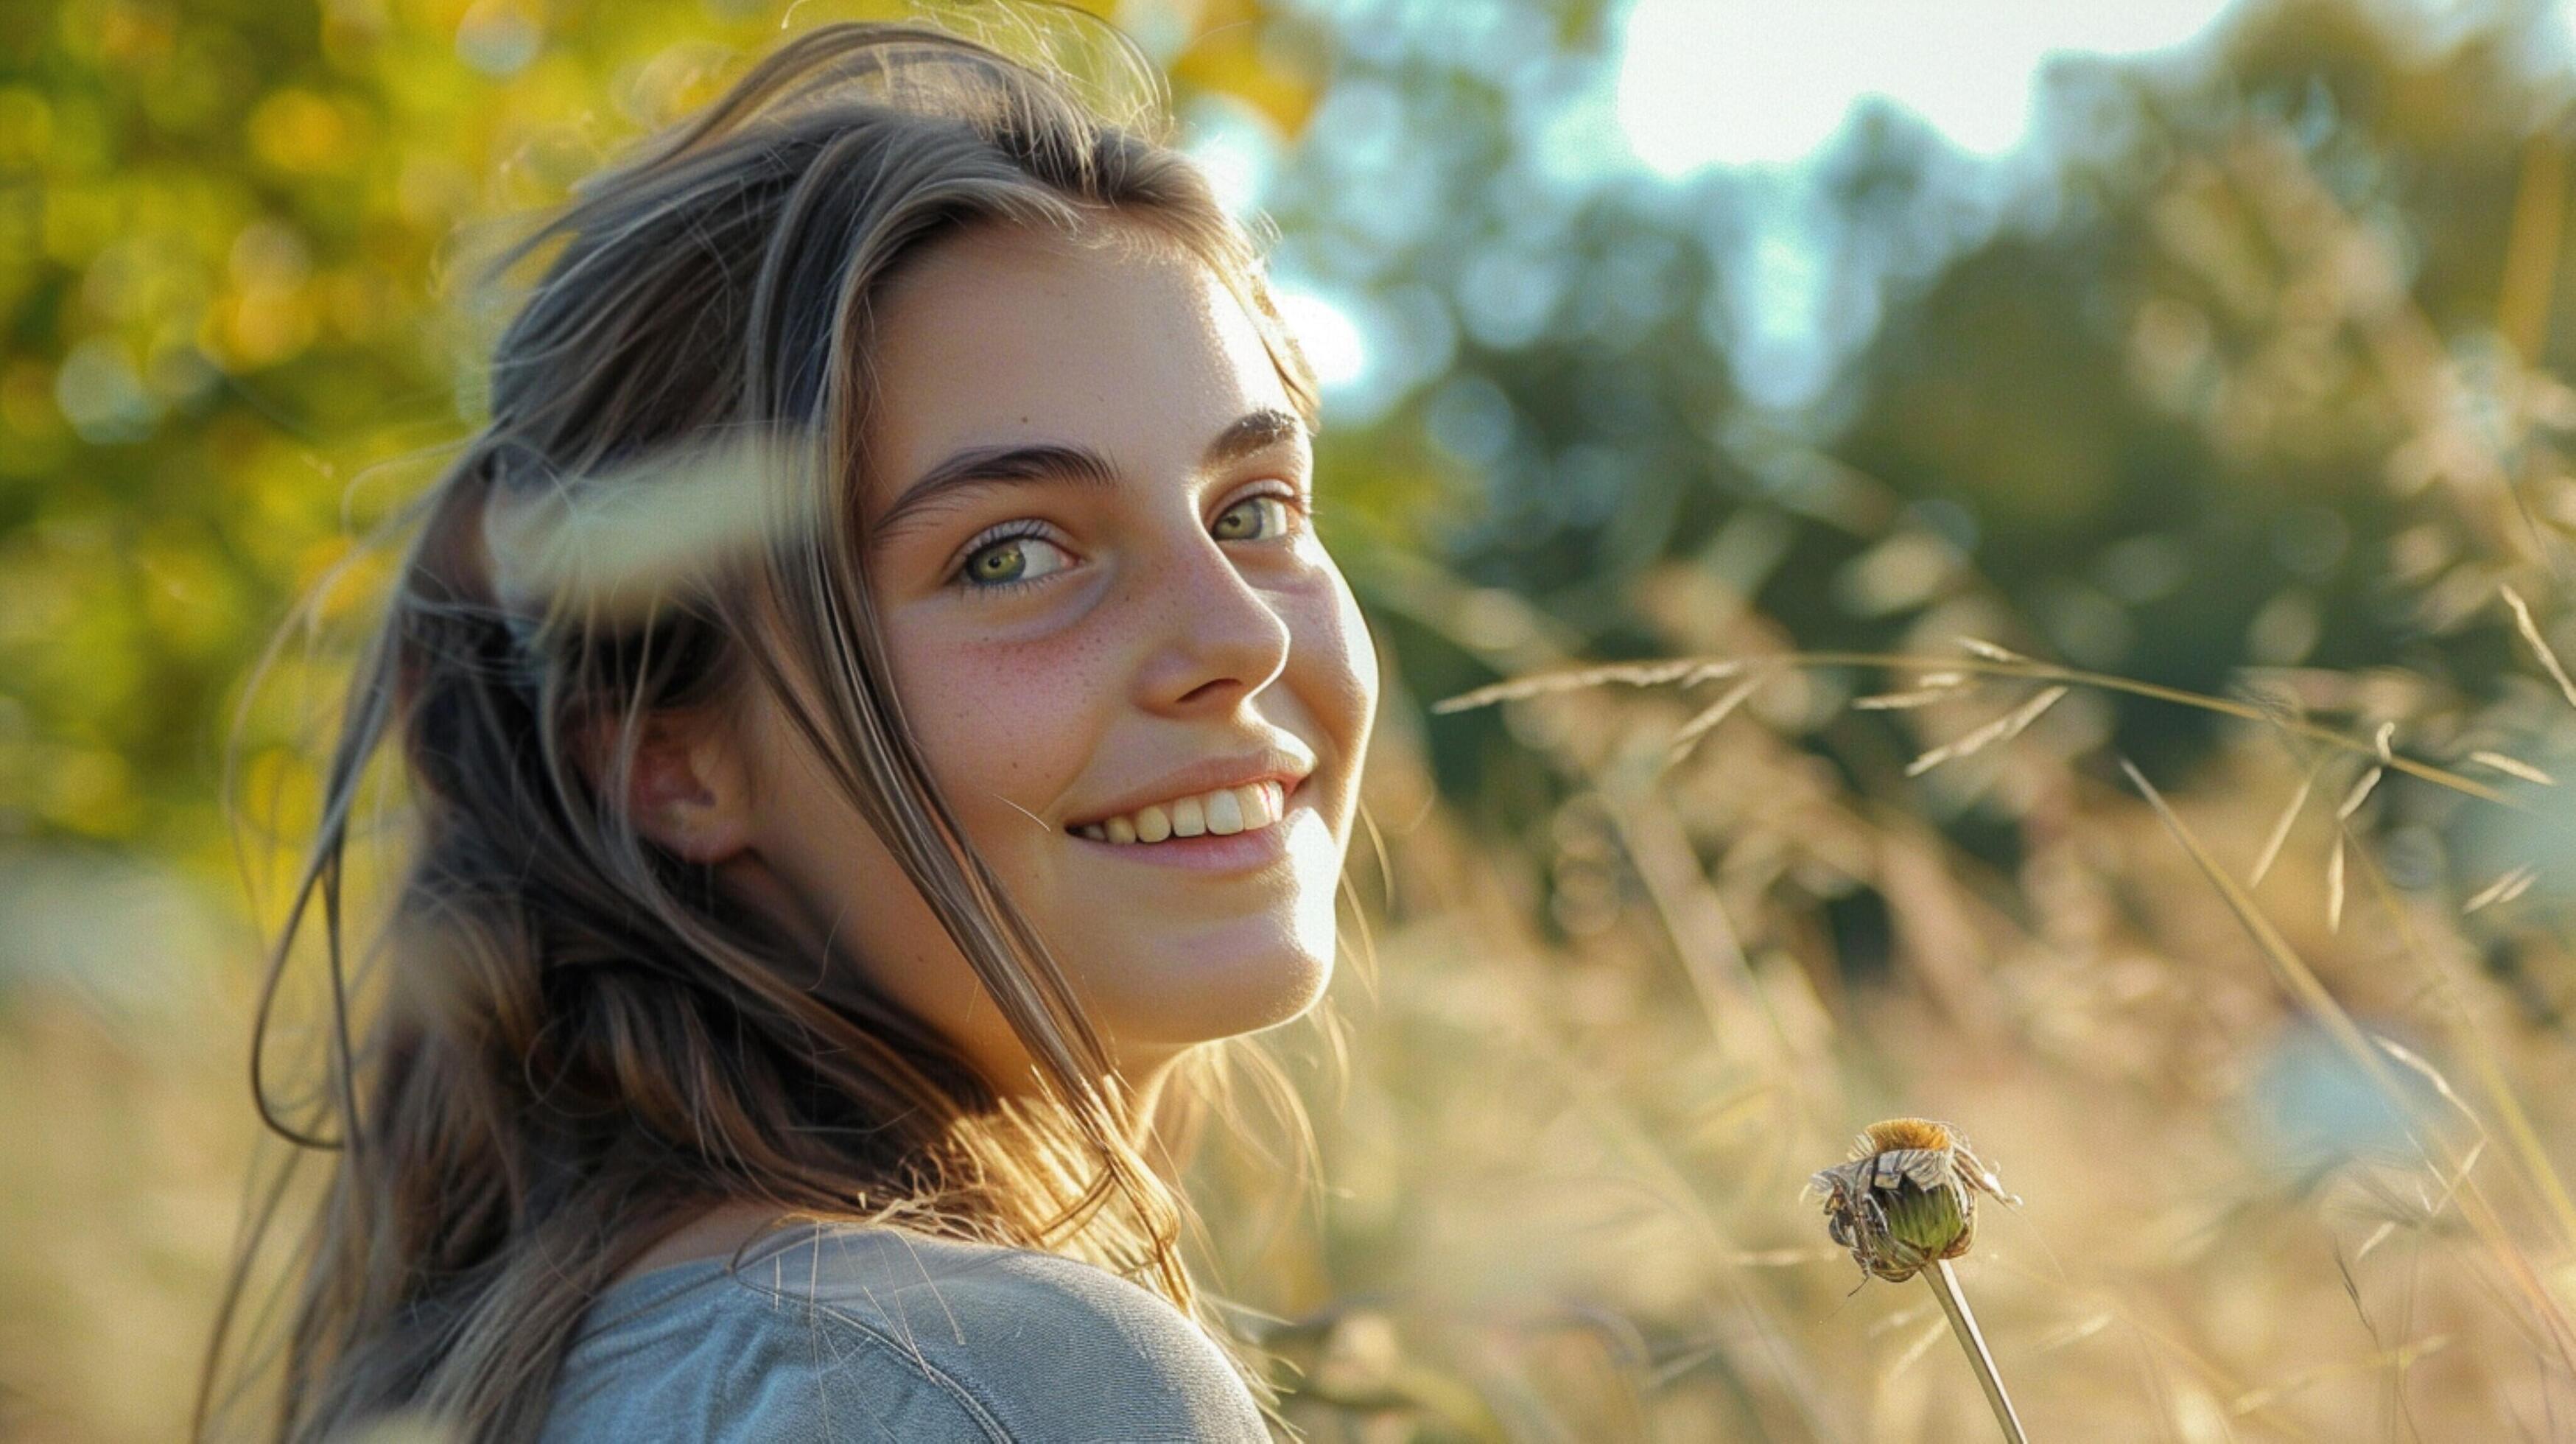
(1007, 334)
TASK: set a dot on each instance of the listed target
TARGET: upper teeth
(1226, 810)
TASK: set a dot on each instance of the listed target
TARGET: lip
(1270, 764)
(1236, 852)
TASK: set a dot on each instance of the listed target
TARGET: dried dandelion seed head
(1908, 1197)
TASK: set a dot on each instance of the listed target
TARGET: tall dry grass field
(2274, 1046)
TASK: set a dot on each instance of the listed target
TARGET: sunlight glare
(1732, 82)
(1330, 338)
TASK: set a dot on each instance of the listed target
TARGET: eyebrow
(1249, 434)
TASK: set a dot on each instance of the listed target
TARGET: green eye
(1007, 561)
(1275, 512)
(1000, 564)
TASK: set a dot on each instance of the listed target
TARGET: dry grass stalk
(2525, 1147)
(1901, 701)
(1684, 671)
(2503, 890)
(1929, 688)
(2304, 988)
(2281, 831)
(2513, 767)
(2530, 629)
(2003, 728)
(1706, 722)
(1992, 661)
(2334, 887)
(2399, 1358)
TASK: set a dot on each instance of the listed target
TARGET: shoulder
(880, 1333)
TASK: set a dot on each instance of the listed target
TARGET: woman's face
(1090, 548)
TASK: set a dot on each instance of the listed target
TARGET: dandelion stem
(1954, 1302)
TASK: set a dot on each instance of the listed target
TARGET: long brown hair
(570, 1039)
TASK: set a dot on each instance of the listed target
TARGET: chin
(1194, 1000)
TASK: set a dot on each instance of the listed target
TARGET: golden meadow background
(2220, 434)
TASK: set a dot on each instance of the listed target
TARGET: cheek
(1002, 723)
(1341, 661)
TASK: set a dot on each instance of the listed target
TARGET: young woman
(876, 712)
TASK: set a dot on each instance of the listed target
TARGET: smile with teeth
(1224, 811)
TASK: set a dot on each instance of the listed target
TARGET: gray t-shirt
(840, 1332)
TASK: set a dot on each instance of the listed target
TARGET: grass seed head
(1908, 1197)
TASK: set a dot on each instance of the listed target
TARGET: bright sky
(1737, 82)
(1768, 83)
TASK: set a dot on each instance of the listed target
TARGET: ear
(689, 790)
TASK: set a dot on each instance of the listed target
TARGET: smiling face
(1090, 550)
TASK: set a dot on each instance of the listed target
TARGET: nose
(1217, 638)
